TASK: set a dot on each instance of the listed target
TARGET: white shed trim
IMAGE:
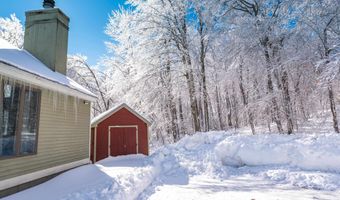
(122, 126)
(95, 121)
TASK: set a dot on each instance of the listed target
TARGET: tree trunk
(219, 111)
(181, 116)
(193, 100)
(200, 106)
(327, 51)
(172, 108)
(245, 100)
(166, 117)
(274, 108)
(203, 75)
(333, 108)
(287, 102)
(300, 102)
(182, 44)
(229, 109)
(235, 108)
(205, 102)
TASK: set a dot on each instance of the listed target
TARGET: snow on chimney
(46, 37)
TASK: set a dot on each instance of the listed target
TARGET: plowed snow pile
(310, 152)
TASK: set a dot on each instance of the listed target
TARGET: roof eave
(11, 71)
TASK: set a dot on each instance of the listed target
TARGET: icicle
(65, 105)
(75, 99)
(29, 91)
(55, 100)
(49, 96)
(12, 91)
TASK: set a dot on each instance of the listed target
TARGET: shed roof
(96, 120)
(20, 64)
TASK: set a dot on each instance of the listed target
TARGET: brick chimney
(46, 37)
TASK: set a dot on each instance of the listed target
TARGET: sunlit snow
(213, 165)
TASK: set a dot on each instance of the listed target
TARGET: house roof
(96, 120)
(21, 65)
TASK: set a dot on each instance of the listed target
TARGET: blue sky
(88, 19)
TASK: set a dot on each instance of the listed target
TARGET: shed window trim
(25, 138)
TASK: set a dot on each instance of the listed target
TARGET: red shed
(119, 131)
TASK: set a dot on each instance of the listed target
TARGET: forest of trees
(200, 65)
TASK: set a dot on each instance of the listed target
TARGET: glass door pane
(30, 122)
(8, 116)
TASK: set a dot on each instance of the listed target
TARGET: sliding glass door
(19, 119)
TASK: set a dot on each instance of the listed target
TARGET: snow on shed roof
(101, 117)
(30, 69)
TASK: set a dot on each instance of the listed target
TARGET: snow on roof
(101, 117)
(23, 60)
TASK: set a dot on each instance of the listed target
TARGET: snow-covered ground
(213, 165)
(113, 178)
(217, 165)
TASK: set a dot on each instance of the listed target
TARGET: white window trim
(122, 126)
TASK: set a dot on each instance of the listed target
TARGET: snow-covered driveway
(215, 165)
(243, 187)
(226, 166)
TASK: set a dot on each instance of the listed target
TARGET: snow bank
(309, 152)
(113, 178)
(192, 155)
(309, 161)
(305, 151)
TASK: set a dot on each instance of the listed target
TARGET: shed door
(123, 141)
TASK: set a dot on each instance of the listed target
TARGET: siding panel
(63, 136)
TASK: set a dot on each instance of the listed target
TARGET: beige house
(44, 115)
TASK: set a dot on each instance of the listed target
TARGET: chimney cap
(49, 4)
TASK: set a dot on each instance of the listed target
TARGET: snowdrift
(308, 152)
(310, 161)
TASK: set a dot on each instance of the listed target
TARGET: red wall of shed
(120, 118)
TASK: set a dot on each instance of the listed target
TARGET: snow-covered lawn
(214, 165)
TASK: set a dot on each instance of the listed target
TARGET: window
(29, 122)
(9, 116)
(19, 115)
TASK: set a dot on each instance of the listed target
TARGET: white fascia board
(15, 73)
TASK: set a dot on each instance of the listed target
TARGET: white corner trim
(8, 183)
(90, 140)
(148, 135)
(94, 145)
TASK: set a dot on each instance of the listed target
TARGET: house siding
(63, 136)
